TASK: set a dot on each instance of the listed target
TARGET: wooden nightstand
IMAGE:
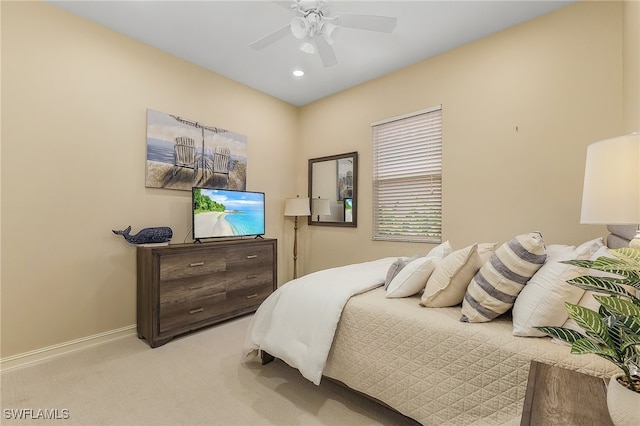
(557, 396)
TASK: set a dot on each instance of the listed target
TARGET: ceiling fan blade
(383, 24)
(327, 55)
(270, 38)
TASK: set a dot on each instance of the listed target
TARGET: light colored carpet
(198, 379)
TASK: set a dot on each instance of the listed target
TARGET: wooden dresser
(557, 396)
(184, 287)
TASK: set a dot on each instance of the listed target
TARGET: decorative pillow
(449, 281)
(587, 299)
(396, 267)
(541, 302)
(495, 287)
(591, 247)
(413, 277)
(554, 250)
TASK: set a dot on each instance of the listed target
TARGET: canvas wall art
(182, 153)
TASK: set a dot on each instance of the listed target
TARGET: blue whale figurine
(161, 234)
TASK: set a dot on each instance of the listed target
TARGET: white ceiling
(216, 34)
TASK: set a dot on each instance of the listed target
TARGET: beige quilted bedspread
(429, 366)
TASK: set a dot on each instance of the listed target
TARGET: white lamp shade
(297, 207)
(611, 192)
(321, 207)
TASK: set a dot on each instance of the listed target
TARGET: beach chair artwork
(183, 153)
(221, 161)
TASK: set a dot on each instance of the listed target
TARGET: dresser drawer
(242, 297)
(240, 258)
(191, 288)
(192, 263)
(236, 280)
(180, 314)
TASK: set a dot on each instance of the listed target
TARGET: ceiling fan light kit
(315, 24)
(307, 47)
(300, 27)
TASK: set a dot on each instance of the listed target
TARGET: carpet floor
(197, 379)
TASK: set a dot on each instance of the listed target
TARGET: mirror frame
(354, 157)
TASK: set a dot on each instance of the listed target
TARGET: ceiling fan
(314, 23)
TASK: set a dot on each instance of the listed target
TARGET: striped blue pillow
(493, 290)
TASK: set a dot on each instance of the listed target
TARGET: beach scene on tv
(224, 213)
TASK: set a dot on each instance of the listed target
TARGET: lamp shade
(611, 192)
(299, 27)
(321, 207)
(297, 207)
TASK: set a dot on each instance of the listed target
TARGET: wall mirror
(333, 190)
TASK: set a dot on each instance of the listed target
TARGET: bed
(423, 362)
(431, 367)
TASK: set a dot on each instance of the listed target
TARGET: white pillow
(449, 281)
(440, 251)
(493, 290)
(554, 250)
(589, 248)
(413, 277)
(396, 267)
(587, 300)
(541, 302)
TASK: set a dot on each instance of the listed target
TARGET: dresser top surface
(211, 244)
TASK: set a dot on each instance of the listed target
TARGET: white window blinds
(407, 177)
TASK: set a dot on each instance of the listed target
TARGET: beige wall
(519, 109)
(73, 112)
(631, 61)
(74, 99)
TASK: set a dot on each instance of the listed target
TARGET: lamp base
(635, 243)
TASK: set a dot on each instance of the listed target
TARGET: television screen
(348, 209)
(226, 213)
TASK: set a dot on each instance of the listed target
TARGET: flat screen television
(348, 209)
(224, 213)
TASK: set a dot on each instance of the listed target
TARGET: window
(407, 177)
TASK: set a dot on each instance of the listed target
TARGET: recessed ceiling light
(298, 73)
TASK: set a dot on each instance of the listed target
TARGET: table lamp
(321, 207)
(611, 192)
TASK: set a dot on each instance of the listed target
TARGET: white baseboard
(38, 355)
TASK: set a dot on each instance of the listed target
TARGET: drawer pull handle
(198, 287)
(253, 256)
(252, 296)
(196, 264)
(195, 311)
(250, 277)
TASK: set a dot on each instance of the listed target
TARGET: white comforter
(298, 321)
